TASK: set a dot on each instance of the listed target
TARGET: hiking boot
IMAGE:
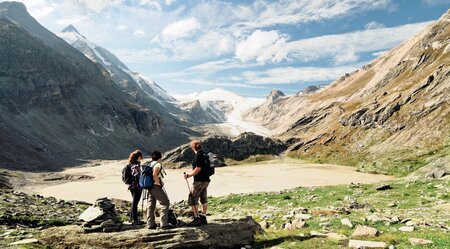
(137, 223)
(203, 219)
(168, 226)
(196, 222)
(152, 227)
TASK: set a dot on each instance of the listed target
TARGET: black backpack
(209, 168)
(127, 178)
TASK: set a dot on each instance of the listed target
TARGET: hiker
(134, 162)
(200, 185)
(158, 193)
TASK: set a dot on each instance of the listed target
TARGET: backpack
(210, 170)
(146, 179)
(127, 178)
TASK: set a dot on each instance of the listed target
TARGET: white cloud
(151, 3)
(340, 48)
(374, 25)
(436, 2)
(139, 33)
(379, 53)
(72, 20)
(294, 12)
(141, 56)
(169, 2)
(122, 27)
(208, 45)
(99, 5)
(180, 29)
(262, 46)
(289, 75)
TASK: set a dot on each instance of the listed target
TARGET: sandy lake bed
(262, 177)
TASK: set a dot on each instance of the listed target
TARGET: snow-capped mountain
(225, 106)
(120, 73)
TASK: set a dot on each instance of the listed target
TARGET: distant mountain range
(390, 116)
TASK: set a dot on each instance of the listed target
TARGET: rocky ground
(398, 215)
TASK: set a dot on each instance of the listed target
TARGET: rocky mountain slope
(57, 105)
(390, 116)
(131, 82)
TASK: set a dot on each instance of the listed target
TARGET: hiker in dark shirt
(134, 162)
(200, 185)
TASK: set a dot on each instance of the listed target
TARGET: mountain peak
(13, 6)
(70, 29)
(275, 95)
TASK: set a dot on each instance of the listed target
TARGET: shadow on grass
(276, 241)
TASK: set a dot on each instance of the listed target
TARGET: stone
(410, 223)
(303, 216)
(317, 234)
(219, 233)
(91, 214)
(347, 222)
(405, 220)
(264, 224)
(337, 237)
(365, 231)
(299, 223)
(383, 187)
(107, 223)
(417, 241)
(395, 220)
(375, 218)
(406, 229)
(360, 244)
(25, 241)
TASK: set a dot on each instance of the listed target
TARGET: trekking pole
(192, 197)
(142, 204)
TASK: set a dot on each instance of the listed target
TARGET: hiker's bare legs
(195, 210)
(204, 208)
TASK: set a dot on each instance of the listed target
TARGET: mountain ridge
(390, 116)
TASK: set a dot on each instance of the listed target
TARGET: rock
(303, 216)
(375, 218)
(239, 148)
(91, 214)
(392, 204)
(360, 244)
(25, 241)
(405, 220)
(316, 234)
(299, 223)
(347, 222)
(365, 231)
(406, 229)
(107, 223)
(395, 220)
(275, 95)
(219, 233)
(410, 223)
(337, 237)
(264, 224)
(383, 187)
(417, 241)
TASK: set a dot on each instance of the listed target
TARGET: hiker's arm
(194, 172)
(156, 170)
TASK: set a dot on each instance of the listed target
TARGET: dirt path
(236, 179)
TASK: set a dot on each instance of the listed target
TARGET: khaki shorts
(199, 190)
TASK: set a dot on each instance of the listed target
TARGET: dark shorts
(199, 190)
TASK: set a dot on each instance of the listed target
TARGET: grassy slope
(415, 200)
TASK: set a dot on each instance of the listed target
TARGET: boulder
(91, 214)
(421, 242)
(406, 229)
(365, 231)
(245, 145)
(24, 242)
(360, 244)
(223, 233)
(347, 222)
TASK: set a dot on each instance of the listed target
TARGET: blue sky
(248, 47)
